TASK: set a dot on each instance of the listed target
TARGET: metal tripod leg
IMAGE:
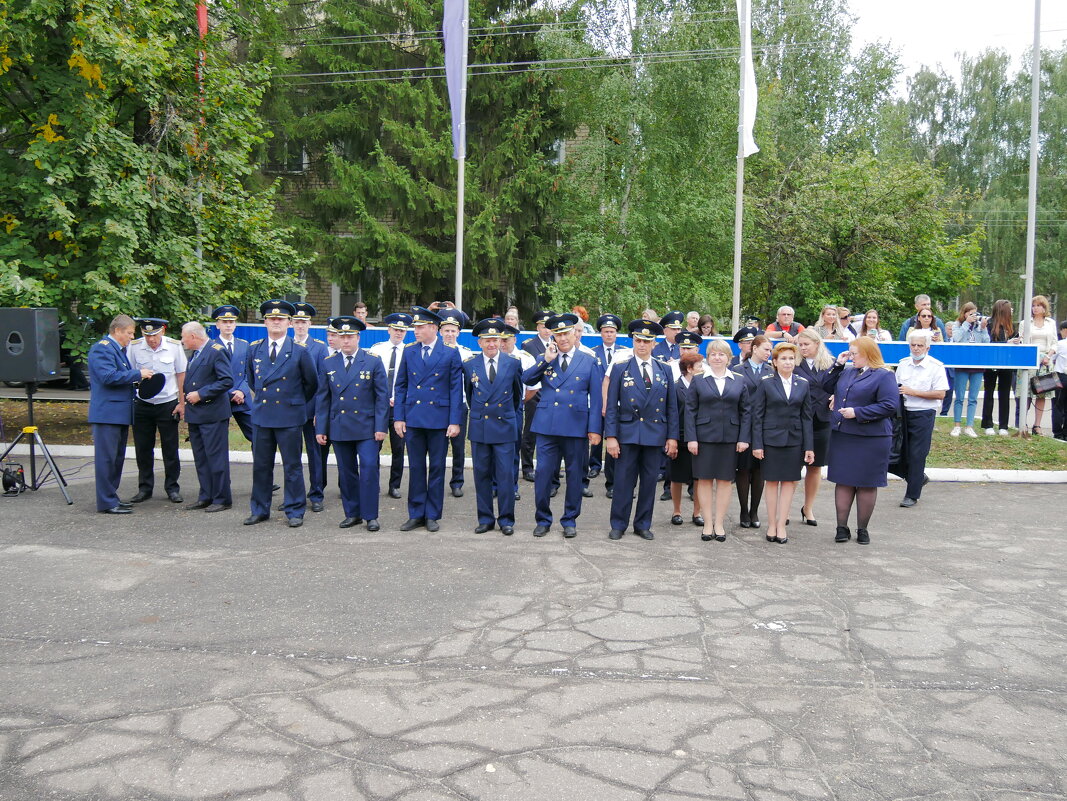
(35, 480)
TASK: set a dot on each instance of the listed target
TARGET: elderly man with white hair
(923, 383)
(784, 326)
(208, 382)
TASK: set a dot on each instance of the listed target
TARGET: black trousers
(396, 445)
(994, 379)
(458, 449)
(244, 422)
(529, 439)
(920, 430)
(1059, 410)
(148, 419)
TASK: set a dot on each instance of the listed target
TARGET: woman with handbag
(1042, 334)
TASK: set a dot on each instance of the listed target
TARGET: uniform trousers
(244, 422)
(574, 453)
(458, 448)
(316, 463)
(287, 441)
(109, 453)
(427, 448)
(396, 445)
(920, 425)
(637, 466)
(358, 475)
(494, 465)
(596, 457)
(211, 456)
(148, 418)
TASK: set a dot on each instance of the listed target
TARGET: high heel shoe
(808, 520)
(720, 537)
(706, 537)
(743, 520)
(771, 538)
(843, 534)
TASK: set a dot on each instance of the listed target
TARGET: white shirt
(925, 376)
(168, 359)
(495, 360)
(720, 383)
(527, 360)
(787, 384)
(1060, 365)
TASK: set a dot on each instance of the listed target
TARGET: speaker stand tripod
(31, 433)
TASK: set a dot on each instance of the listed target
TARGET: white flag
(748, 95)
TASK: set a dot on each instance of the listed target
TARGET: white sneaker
(990, 432)
(970, 432)
(955, 432)
(1004, 432)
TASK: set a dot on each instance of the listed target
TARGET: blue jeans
(969, 383)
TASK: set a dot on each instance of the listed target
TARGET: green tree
(110, 181)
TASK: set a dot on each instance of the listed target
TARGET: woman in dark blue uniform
(814, 363)
(749, 469)
(689, 368)
(716, 430)
(782, 435)
(865, 399)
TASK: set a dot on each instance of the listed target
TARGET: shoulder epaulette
(767, 378)
(172, 340)
(217, 346)
(137, 341)
(469, 358)
(301, 344)
(253, 344)
(410, 345)
(800, 378)
(102, 342)
(373, 355)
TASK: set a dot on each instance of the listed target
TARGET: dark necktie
(273, 351)
(193, 355)
(348, 363)
(492, 371)
(229, 348)
(648, 378)
(392, 369)
(425, 352)
(563, 364)
(607, 352)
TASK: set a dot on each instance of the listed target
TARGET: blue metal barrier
(987, 356)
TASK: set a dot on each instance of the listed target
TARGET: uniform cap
(746, 334)
(346, 324)
(608, 321)
(303, 310)
(674, 319)
(559, 323)
(421, 316)
(509, 331)
(226, 313)
(151, 386)
(490, 327)
(647, 330)
(687, 339)
(542, 317)
(276, 308)
(152, 325)
(452, 317)
(398, 320)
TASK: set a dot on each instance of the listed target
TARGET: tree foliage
(110, 182)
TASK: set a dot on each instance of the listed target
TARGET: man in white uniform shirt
(923, 384)
(161, 413)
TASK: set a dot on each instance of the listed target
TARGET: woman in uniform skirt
(782, 435)
(690, 366)
(814, 363)
(716, 430)
(865, 400)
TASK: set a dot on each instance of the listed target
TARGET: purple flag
(454, 27)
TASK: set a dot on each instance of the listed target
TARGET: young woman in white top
(1042, 334)
(871, 327)
(830, 326)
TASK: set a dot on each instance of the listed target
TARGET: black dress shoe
(753, 523)
(528, 475)
(507, 531)
(432, 525)
(907, 503)
(483, 527)
(457, 492)
(394, 493)
(374, 525)
(781, 540)
(644, 533)
(199, 505)
(295, 522)
(316, 506)
(676, 520)
(926, 479)
(698, 520)
(552, 494)
(216, 507)
(116, 510)
(570, 532)
(586, 492)
(843, 534)
(609, 493)
(743, 520)
(124, 505)
(666, 495)
(810, 521)
(592, 474)
(518, 495)
(707, 537)
(140, 497)
(720, 538)
(413, 523)
(251, 520)
(615, 534)
(540, 531)
(862, 537)
(348, 522)
(275, 487)
(175, 497)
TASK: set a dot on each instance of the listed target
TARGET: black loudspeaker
(29, 345)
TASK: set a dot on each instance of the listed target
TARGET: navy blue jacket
(494, 407)
(284, 388)
(114, 383)
(638, 416)
(820, 398)
(780, 422)
(239, 368)
(571, 403)
(873, 394)
(429, 394)
(354, 404)
(711, 417)
(209, 373)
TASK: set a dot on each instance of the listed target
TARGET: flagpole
(1031, 205)
(739, 191)
(461, 161)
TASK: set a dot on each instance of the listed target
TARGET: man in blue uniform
(427, 409)
(283, 377)
(208, 381)
(607, 352)
(111, 410)
(535, 346)
(301, 322)
(452, 322)
(640, 425)
(672, 323)
(569, 419)
(390, 352)
(240, 394)
(352, 411)
(494, 393)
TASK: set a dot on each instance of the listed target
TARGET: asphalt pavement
(172, 654)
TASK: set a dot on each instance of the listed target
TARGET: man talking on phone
(569, 420)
